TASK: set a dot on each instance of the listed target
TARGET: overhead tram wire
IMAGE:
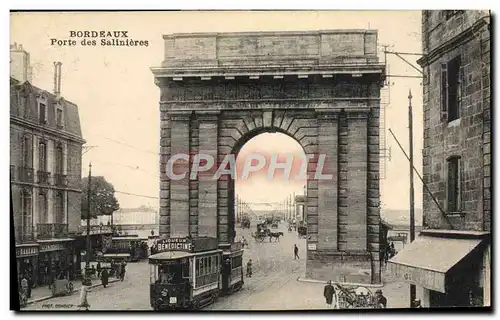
(126, 144)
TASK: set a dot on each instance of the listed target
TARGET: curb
(50, 297)
(301, 279)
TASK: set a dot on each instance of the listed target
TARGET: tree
(102, 197)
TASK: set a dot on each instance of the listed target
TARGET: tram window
(202, 267)
(209, 260)
(197, 267)
(153, 269)
(170, 273)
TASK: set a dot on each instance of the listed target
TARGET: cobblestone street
(273, 286)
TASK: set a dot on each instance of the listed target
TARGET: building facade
(45, 172)
(456, 163)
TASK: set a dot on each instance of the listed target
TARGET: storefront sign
(26, 251)
(311, 246)
(173, 244)
(428, 279)
(52, 247)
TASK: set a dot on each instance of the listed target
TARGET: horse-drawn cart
(358, 298)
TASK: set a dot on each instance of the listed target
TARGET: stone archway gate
(321, 88)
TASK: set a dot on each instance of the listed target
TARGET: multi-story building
(45, 172)
(451, 257)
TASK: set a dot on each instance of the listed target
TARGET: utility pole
(89, 247)
(413, 290)
(294, 206)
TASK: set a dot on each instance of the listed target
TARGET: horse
(276, 235)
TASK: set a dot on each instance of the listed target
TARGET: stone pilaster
(193, 183)
(179, 189)
(328, 189)
(164, 214)
(342, 195)
(207, 195)
(373, 192)
(356, 233)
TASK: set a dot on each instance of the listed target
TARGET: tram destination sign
(174, 244)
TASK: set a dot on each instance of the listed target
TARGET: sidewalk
(44, 293)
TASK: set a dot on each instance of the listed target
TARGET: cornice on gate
(255, 54)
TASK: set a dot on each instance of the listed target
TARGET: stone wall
(467, 137)
(264, 48)
(321, 88)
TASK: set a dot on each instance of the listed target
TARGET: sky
(118, 100)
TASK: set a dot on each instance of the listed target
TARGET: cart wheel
(70, 287)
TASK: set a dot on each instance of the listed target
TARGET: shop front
(27, 262)
(449, 265)
(55, 261)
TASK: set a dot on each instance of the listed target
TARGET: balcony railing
(25, 174)
(61, 180)
(52, 230)
(43, 177)
(95, 229)
(24, 234)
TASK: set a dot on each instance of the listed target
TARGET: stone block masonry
(322, 89)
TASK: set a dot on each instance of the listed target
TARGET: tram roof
(173, 255)
(129, 238)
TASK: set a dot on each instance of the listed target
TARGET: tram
(188, 273)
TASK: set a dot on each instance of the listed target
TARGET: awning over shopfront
(426, 260)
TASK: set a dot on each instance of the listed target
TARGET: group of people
(388, 252)
(103, 274)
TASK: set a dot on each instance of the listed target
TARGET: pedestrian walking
(104, 277)
(30, 285)
(330, 295)
(83, 297)
(381, 300)
(249, 268)
(295, 252)
(24, 285)
(99, 269)
(122, 271)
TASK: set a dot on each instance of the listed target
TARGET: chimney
(19, 63)
(57, 78)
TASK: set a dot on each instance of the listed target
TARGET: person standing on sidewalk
(83, 297)
(249, 268)
(330, 296)
(295, 252)
(104, 277)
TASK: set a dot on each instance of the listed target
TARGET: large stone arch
(322, 89)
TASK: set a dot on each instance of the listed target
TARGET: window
(42, 205)
(453, 185)
(26, 152)
(59, 159)
(59, 207)
(451, 89)
(59, 118)
(43, 113)
(42, 156)
(26, 220)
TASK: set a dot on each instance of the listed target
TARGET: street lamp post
(413, 290)
(87, 262)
